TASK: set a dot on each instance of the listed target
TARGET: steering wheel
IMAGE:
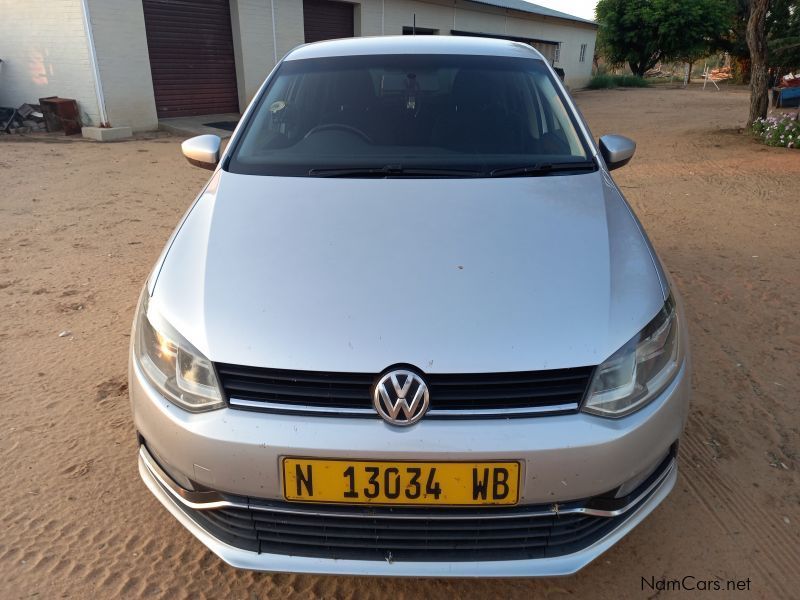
(340, 127)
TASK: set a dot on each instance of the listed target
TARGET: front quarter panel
(637, 290)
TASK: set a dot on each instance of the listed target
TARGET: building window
(420, 31)
(549, 50)
(583, 53)
(557, 53)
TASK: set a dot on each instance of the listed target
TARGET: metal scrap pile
(790, 80)
(26, 118)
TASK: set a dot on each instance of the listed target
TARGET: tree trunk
(757, 43)
(640, 68)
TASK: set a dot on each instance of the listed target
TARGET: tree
(783, 34)
(628, 34)
(734, 41)
(782, 31)
(757, 42)
(692, 29)
(640, 33)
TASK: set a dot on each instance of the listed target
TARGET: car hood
(448, 275)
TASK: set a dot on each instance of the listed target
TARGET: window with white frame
(557, 53)
(583, 53)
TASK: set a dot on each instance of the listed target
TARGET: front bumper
(187, 508)
(563, 459)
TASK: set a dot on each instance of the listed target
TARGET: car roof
(414, 44)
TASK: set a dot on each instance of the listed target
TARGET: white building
(131, 62)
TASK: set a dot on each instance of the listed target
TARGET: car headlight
(176, 368)
(640, 370)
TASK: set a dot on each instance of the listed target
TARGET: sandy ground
(81, 224)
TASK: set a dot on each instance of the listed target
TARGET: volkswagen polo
(410, 326)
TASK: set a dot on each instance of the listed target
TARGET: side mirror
(617, 150)
(202, 151)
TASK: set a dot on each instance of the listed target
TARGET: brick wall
(251, 22)
(121, 46)
(469, 16)
(254, 45)
(45, 53)
(388, 17)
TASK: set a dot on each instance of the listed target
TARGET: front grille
(478, 395)
(367, 535)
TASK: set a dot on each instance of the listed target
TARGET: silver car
(410, 326)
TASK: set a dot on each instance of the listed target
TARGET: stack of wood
(720, 74)
(657, 72)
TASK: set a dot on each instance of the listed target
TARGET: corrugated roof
(534, 9)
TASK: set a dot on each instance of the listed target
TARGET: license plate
(373, 482)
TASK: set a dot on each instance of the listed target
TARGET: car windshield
(437, 115)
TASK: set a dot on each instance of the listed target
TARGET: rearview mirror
(202, 151)
(617, 150)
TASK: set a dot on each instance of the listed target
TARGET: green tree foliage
(734, 41)
(640, 33)
(783, 27)
(628, 34)
(783, 33)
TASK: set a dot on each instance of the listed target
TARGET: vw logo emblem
(401, 397)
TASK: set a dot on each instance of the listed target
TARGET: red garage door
(191, 56)
(326, 20)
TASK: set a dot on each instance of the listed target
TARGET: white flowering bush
(783, 131)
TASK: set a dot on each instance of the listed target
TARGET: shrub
(631, 81)
(603, 81)
(599, 82)
(783, 131)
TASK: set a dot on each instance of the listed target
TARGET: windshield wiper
(543, 169)
(392, 171)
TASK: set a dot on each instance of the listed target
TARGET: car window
(411, 111)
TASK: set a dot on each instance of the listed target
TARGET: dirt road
(81, 223)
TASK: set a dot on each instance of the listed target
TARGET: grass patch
(602, 82)
(662, 80)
